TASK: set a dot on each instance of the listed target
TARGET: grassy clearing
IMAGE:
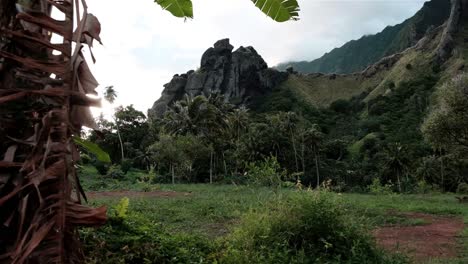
(208, 210)
(209, 213)
(213, 211)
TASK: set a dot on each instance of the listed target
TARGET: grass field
(213, 211)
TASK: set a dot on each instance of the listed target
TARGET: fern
(121, 209)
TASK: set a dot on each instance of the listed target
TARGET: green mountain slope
(356, 55)
(384, 77)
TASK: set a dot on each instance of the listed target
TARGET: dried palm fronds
(40, 194)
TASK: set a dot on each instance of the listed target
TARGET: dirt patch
(436, 239)
(134, 194)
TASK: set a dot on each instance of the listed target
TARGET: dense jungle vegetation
(283, 140)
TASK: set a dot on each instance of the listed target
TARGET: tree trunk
(172, 173)
(303, 157)
(211, 167)
(399, 182)
(120, 140)
(442, 171)
(295, 150)
(317, 169)
(225, 166)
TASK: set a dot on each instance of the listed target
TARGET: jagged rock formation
(240, 76)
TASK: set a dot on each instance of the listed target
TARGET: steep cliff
(240, 76)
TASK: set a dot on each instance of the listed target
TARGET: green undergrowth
(91, 180)
(241, 224)
(226, 224)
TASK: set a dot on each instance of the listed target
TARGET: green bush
(126, 165)
(462, 188)
(422, 187)
(312, 228)
(377, 188)
(115, 172)
(265, 173)
(134, 239)
(101, 167)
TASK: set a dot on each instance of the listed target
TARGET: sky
(144, 46)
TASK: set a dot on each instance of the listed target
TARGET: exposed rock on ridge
(240, 76)
(458, 13)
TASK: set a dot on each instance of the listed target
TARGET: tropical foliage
(45, 103)
(278, 10)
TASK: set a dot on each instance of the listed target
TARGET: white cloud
(145, 46)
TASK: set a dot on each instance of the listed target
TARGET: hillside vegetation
(356, 55)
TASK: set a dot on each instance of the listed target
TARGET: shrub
(115, 172)
(423, 187)
(101, 167)
(126, 165)
(312, 228)
(121, 209)
(135, 239)
(462, 188)
(377, 188)
(265, 173)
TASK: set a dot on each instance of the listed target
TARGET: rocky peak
(240, 76)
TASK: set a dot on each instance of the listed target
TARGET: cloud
(144, 45)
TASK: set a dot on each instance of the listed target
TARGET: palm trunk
(211, 167)
(225, 165)
(172, 173)
(295, 150)
(442, 169)
(317, 169)
(303, 156)
(399, 182)
(120, 139)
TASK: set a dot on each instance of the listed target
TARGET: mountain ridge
(356, 55)
(441, 52)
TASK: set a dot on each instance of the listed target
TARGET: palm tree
(396, 161)
(313, 138)
(110, 95)
(43, 104)
(195, 116)
(290, 121)
(238, 122)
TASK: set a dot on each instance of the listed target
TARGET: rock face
(458, 16)
(240, 76)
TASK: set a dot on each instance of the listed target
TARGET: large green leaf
(100, 154)
(179, 8)
(279, 10)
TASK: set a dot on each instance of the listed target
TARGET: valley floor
(427, 228)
